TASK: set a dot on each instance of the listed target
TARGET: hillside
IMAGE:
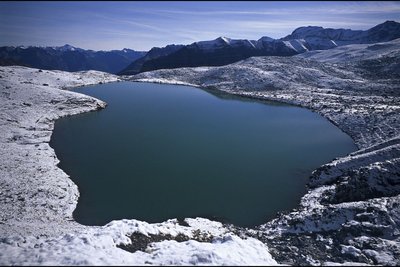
(350, 212)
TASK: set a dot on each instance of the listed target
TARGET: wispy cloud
(345, 8)
(142, 25)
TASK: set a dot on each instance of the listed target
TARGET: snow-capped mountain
(220, 51)
(350, 214)
(355, 52)
(223, 50)
(67, 47)
(282, 48)
(320, 38)
(68, 58)
(222, 42)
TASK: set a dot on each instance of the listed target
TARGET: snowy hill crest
(223, 50)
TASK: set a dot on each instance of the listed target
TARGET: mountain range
(68, 58)
(222, 50)
(218, 52)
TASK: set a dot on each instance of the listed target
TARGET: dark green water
(163, 151)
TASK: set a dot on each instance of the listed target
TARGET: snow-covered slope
(326, 38)
(221, 42)
(223, 50)
(131, 242)
(344, 94)
(355, 52)
(37, 198)
(350, 213)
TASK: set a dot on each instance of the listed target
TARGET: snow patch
(37, 198)
(352, 202)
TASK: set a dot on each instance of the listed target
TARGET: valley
(349, 214)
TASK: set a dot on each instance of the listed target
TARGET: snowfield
(351, 212)
(37, 198)
(355, 52)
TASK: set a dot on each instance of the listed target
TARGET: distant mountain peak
(390, 22)
(68, 58)
(386, 31)
(213, 44)
(224, 39)
(309, 27)
(387, 25)
(266, 39)
(307, 31)
(66, 47)
(223, 42)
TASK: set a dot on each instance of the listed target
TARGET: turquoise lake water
(165, 151)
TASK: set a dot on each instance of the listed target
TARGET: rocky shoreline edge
(350, 213)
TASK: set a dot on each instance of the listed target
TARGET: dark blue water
(163, 151)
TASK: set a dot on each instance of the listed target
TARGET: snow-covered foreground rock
(196, 242)
(37, 198)
(351, 213)
(35, 193)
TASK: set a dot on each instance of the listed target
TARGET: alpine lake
(158, 152)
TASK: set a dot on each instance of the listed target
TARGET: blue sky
(143, 25)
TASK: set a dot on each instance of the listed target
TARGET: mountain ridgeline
(218, 52)
(222, 50)
(68, 58)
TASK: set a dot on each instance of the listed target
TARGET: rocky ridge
(350, 213)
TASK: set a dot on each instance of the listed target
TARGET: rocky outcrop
(350, 213)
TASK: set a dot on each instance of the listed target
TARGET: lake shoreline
(185, 132)
(363, 184)
(38, 198)
(30, 223)
(252, 97)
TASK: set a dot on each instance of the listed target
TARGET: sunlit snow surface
(351, 212)
(350, 215)
(37, 198)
